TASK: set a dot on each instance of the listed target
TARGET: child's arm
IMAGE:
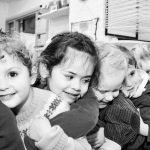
(96, 136)
(97, 139)
(57, 139)
(81, 118)
(9, 134)
(50, 138)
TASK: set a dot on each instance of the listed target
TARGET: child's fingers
(38, 128)
(93, 136)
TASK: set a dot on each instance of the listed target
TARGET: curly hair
(14, 47)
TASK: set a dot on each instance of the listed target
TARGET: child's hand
(39, 128)
(97, 139)
(143, 127)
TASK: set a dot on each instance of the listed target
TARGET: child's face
(14, 81)
(109, 86)
(145, 65)
(70, 79)
(132, 81)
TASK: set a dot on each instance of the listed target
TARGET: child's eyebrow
(117, 89)
(102, 91)
(88, 76)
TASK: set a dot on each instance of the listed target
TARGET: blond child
(122, 121)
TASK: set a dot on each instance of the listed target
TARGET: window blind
(128, 18)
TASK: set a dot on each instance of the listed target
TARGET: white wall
(20, 6)
(58, 25)
(3, 14)
(87, 10)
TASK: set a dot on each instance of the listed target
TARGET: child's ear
(33, 74)
(44, 73)
(33, 78)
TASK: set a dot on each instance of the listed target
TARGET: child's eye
(116, 90)
(148, 71)
(86, 81)
(132, 73)
(69, 77)
(12, 74)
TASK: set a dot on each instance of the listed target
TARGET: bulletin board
(87, 27)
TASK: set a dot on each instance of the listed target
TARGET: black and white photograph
(74, 74)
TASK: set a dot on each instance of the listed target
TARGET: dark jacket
(121, 119)
(10, 138)
(143, 103)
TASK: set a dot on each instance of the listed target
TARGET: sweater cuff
(53, 141)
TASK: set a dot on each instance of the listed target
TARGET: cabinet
(50, 23)
(64, 11)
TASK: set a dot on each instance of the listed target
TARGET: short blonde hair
(112, 54)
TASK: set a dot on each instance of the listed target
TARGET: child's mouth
(73, 96)
(6, 97)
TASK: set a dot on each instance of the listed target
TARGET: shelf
(58, 13)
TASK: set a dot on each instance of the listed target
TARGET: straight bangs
(73, 55)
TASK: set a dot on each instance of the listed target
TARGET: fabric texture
(121, 119)
(57, 141)
(77, 122)
(82, 117)
(46, 105)
(10, 138)
(143, 103)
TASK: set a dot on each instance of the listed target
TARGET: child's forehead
(111, 81)
(8, 58)
(73, 55)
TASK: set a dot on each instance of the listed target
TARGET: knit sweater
(82, 117)
(44, 104)
(121, 119)
(51, 108)
(58, 140)
(9, 135)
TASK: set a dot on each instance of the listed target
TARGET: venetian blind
(128, 18)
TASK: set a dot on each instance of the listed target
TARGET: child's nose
(76, 85)
(109, 96)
